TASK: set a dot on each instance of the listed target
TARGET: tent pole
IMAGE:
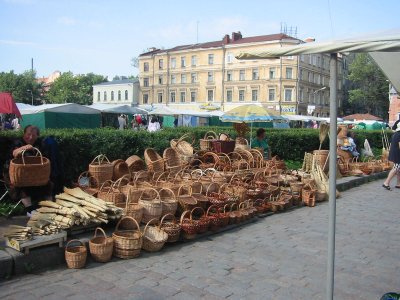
(332, 176)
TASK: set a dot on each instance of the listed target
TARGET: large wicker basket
(127, 243)
(101, 169)
(28, 171)
(168, 201)
(75, 256)
(152, 206)
(154, 162)
(101, 247)
(133, 210)
(183, 147)
(206, 142)
(154, 237)
(120, 169)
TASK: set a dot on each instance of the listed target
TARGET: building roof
(123, 81)
(225, 41)
(361, 117)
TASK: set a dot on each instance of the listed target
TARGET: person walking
(394, 157)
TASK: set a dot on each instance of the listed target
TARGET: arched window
(126, 94)
(119, 95)
(112, 95)
(98, 96)
(105, 96)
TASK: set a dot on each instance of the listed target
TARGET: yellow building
(208, 76)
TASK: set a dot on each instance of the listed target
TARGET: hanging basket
(127, 243)
(172, 228)
(26, 171)
(101, 247)
(101, 169)
(154, 237)
(75, 256)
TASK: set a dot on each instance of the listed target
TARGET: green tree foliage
(368, 87)
(19, 84)
(70, 88)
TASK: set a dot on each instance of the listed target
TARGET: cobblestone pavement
(279, 257)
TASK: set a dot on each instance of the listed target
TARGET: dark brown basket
(29, 170)
(223, 146)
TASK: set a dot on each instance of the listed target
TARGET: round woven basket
(184, 148)
(120, 169)
(110, 193)
(27, 171)
(168, 201)
(151, 203)
(75, 256)
(203, 220)
(101, 169)
(154, 162)
(206, 142)
(189, 226)
(197, 193)
(133, 210)
(127, 243)
(185, 199)
(135, 163)
(101, 247)
(173, 229)
(154, 237)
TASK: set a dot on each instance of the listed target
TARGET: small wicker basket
(154, 237)
(75, 256)
(127, 243)
(173, 229)
(101, 169)
(101, 247)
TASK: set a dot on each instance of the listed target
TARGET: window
(210, 59)
(119, 95)
(183, 78)
(318, 61)
(126, 94)
(254, 95)
(183, 61)
(193, 97)
(194, 60)
(146, 67)
(229, 58)
(145, 98)
(271, 94)
(229, 76)
(254, 74)
(105, 96)
(112, 95)
(210, 77)
(272, 73)
(172, 97)
(173, 62)
(98, 96)
(288, 95)
(310, 77)
(173, 79)
(289, 72)
(160, 79)
(145, 82)
(183, 97)
(301, 95)
(229, 96)
(241, 95)
(302, 57)
(210, 95)
(160, 64)
(159, 97)
(193, 77)
(241, 75)
(301, 74)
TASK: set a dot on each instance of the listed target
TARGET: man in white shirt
(121, 122)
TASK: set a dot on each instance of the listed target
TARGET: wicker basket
(154, 237)
(168, 201)
(296, 187)
(186, 200)
(135, 163)
(120, 169)
(308, 195)
(189, 226)
(173, 161)
(75, 256)
(133, 210)
(101, 169)
(223, 146)
(197, 193)
(173, 229)
(154, 162)
(151, 203)
(224, 215)
(183, 147)
(26, 171)
(101, 247)
(214, 218)
(203, 222)
(127, 243)
(242, 143)
(206, 142)
(110, 193)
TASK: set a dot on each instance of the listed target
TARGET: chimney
(226, 39)
(236, 36)
(309, 40)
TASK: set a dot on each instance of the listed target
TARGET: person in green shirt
(261, 143)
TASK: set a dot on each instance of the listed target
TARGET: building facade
(124, 91)
(208, 76)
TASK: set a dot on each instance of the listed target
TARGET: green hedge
(79, 146)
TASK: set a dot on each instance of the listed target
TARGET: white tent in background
(118, 109)
(60, 108)
(23, 106)
(385, 50)
(168, 111)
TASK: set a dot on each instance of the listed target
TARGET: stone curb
(13, 262)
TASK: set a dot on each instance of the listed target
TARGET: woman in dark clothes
(394, 157)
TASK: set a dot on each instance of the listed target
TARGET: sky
(99, 36)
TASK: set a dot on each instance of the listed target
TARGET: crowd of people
(142, 122)
(9, 122)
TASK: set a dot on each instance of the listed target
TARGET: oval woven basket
(28, 171)
(151, 203)
(75, 256)
(154, 237)
(127, 243)
(172, 228)
(101, 247)
(206, 142)
(135, 163)
(120, 169)
(168, 201)
(154, 162)
(109, 193)
(101, 169)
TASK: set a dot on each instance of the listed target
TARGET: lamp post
(30, 91)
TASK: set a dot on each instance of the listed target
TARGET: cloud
(68, 21)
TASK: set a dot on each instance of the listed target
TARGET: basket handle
(102, 231)
(108, 182)
(213, 135)
(198, 208)
(90, 178)
(186, 186)
(100, 158)
(129, 218)
(148, 223)
(118, 182)
(208, 210)
(197, 171)
(157, 197)
(186, 135)
(197, 183)
(137, 176)
(162, 219)
(183, 215)
(225, 207)
(75, 240)
(232, 205)
(212, 184)
(159, 177)
(168, 190)
(37, 152)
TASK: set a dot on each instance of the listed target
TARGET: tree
(19, 85)
(368, 90)
(70, 88)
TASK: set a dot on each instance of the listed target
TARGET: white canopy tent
(168, 111)
(118, 109)
(61, 108)
(385, 50)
